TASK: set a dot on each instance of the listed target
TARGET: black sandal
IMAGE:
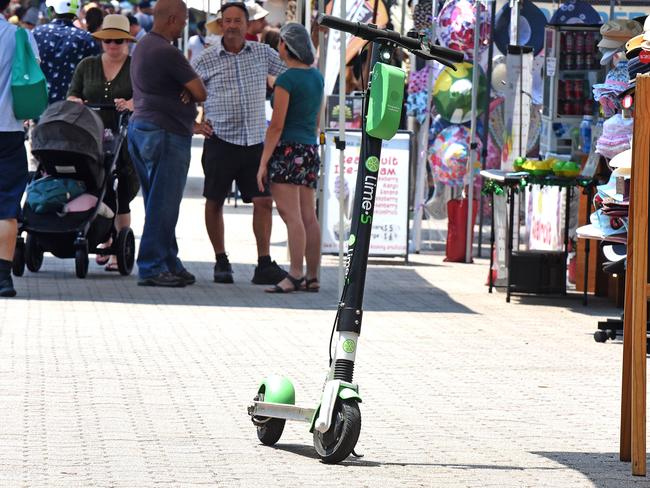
(296, 282)
(311, 289)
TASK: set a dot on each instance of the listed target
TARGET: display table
(530, 272)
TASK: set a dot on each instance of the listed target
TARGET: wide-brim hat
(615, 252)
(256, 11)
(622, 160)
(115, 26)
(531, 29)
(633, 46)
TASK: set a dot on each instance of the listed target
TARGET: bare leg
(121, 222)
(312, 231)
(8, 232)
(262, 223)
(287, 199)
(214, 225)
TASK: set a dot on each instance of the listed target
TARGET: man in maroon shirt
(256, 21)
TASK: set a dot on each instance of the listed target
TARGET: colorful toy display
(456, 23)
(449, 154)
(452, 93)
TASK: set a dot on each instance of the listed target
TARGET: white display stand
(390, 227)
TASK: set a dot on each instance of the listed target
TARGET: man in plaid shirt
(235, 72)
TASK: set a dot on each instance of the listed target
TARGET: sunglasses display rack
(572, 67)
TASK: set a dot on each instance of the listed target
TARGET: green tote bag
(28, 84)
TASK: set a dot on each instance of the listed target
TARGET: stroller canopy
(70, 127)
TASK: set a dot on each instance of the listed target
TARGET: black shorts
(224, 163)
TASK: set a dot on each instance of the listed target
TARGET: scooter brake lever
(427, 55)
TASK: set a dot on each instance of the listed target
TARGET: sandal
(102, 259)
(296, 282)
(312, 285)
(112, 267)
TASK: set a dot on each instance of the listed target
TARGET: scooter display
(336, 421)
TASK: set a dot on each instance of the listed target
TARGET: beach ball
(456, 22)
(449, 154)
(452, 93)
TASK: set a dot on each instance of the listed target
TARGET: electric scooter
(336, 421)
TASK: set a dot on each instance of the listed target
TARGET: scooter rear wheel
(338, 442)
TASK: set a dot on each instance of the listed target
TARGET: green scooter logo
(349, 346)
(372, 164)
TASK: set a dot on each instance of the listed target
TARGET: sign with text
(390, 221)
(543, 218)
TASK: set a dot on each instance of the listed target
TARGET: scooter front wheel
(270, 431)
(338, 442)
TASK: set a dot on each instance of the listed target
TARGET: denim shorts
(13, 168)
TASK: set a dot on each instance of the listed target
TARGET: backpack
(28, 84)
(50, 194)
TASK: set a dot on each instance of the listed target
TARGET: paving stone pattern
(107, 384)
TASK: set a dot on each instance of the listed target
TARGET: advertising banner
(390, 221)
(543, 219)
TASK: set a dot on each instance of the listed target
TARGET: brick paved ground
(104, 383)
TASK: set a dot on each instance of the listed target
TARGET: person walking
(106, 79)
(165, 92)
(13, 157)
(235, 73)
(290, 158)
(62, 46)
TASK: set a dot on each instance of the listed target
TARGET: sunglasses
(111, 41)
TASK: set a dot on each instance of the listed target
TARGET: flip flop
(112, 267)
(296, 282)
(102, 259)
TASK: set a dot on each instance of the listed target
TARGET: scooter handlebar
(371, 33)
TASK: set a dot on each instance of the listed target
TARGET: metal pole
(308, 15)
(423, 146)
(486, 117)
(343, 45)
(299, 11)
(403, 17)
(322, 52)
(473, 155)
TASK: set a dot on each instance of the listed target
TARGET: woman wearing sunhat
(290, 157)
(105, 79)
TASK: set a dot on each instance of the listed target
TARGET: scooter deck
(281, 411)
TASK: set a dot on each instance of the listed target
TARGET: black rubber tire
(600, 336)
(81, 263)
(338, 443)
(18, 263)
(270, 432)
(125, 251)
(33, 254)
(611, 333)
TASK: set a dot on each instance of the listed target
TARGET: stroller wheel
(33, 254)
(125, 251)
(81, 262)
(18, 266)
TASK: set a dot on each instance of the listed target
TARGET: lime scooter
(336, 422)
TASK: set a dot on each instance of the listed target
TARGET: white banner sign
(543, 218)
(390, 221)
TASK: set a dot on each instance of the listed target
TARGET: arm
(197, 90)
(276, 66)
(273, 133)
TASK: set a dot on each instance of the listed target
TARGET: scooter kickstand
(354, 453)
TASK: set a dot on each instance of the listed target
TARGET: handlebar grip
(366, 32)
(446, 53)
(100, 106)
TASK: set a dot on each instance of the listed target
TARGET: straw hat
(115, 26)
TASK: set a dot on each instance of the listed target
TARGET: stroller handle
(100, 106)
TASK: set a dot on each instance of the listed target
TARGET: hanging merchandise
(448, 155)
(617, 132)
(452, 93)
(499, 79)
(616, 33)
(531, 27)
(606, 94)
(422, 17)
(572, 12)
(455, 27)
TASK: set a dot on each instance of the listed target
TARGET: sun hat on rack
(531, 27)
(572, 12)
(617, 32)
(114, 26)
(622, 160)
(615, 252)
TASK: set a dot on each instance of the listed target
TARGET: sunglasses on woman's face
(111, 41)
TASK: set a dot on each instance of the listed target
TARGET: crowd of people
(132, 61)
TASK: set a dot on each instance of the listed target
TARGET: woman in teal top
(290, 158)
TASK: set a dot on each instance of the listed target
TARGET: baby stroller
(69, 142)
